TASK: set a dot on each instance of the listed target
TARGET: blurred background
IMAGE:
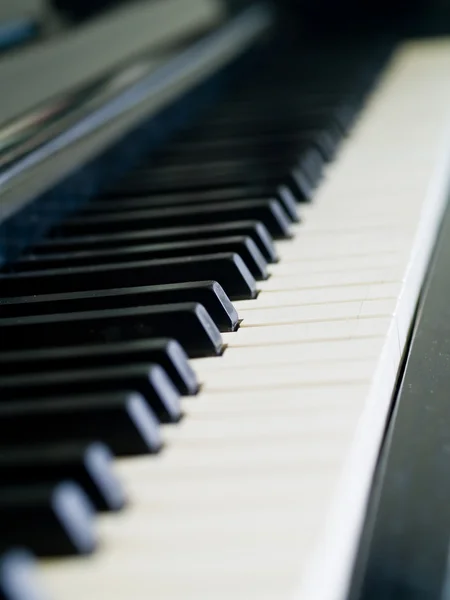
(339, 12)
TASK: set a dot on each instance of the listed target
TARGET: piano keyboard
(232, 343)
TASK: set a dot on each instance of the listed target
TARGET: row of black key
(100, 319)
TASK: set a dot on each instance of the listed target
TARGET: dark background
(313, 15)
(326, 13)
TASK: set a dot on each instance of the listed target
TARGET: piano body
(224, 246)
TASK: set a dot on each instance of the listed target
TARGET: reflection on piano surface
(214, 230)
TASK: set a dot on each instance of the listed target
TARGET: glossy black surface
(50, 519)
(88, 464)
(244, 246)
(114, 202)
(188, 323)
(269, 212)
(150, 381)
(227, 268)
(253, 229)
(122, 420)
(207, 293)
(167, 353)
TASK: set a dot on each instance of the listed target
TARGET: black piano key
(159, 180)
(189, 173)
(223, 145)
(311, 167)
(18, 577)
(244, 246)
(50, 520)
(269, 212)
(165, 352)
(288, 107)
(287, 199)
(113, 199)
(208, 293)
(228, 269)
(302, 184)
(244, 148)
(288, 146)
(299, 118)
(280, 109)
(253, 229)
(122, 420)
(302, 97)
(192, 198)
(222, 130)
(189, 324)
(151, 381)
(87, 464)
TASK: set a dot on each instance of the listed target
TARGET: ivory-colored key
(337, 264)
(348, 293)
(317, 312)
(294, 354)
(285, 334)
(315, 280)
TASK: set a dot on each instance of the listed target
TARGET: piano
(224, 317)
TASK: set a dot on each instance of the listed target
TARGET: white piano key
(279, 377)
(261, 492)
(307, 332)
(318, 312)
(349, 293)
(243, 430)
(338, 222)
(325, 265)
(349, 246)
(331, 279)
(264, 356)
(312, 400)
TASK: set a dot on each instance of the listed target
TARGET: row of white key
(261, 490)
